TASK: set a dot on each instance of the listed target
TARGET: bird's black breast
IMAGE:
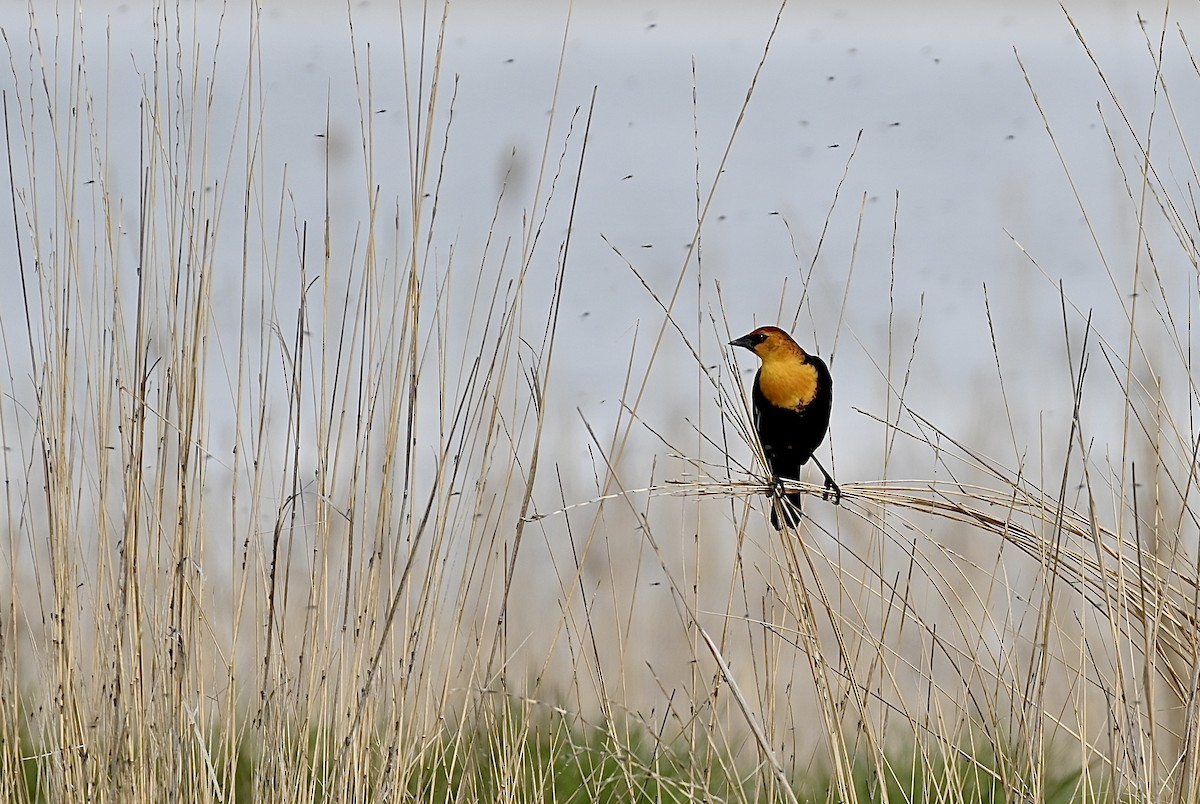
(789, 436)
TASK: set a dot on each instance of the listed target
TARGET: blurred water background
(930, 98)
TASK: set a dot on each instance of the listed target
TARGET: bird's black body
(789, 437)
(792, 397)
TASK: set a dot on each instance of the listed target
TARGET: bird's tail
(789, 505)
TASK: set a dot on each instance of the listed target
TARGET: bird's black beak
(743, 342)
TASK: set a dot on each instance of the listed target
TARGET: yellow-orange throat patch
(790, 385)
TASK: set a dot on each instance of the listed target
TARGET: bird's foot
(835, 488)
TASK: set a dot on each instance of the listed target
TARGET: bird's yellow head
(788, 379)
(772, 344)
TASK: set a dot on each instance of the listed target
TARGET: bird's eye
(759, 338)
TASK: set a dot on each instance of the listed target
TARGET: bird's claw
(837, 491)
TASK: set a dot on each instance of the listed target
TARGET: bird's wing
(756, 402)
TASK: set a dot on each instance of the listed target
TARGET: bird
(793, 397)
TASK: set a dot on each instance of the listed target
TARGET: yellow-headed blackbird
(793, 394)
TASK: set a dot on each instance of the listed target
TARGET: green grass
(545, 754)
(974, 776)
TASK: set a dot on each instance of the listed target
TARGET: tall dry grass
(382, 581)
